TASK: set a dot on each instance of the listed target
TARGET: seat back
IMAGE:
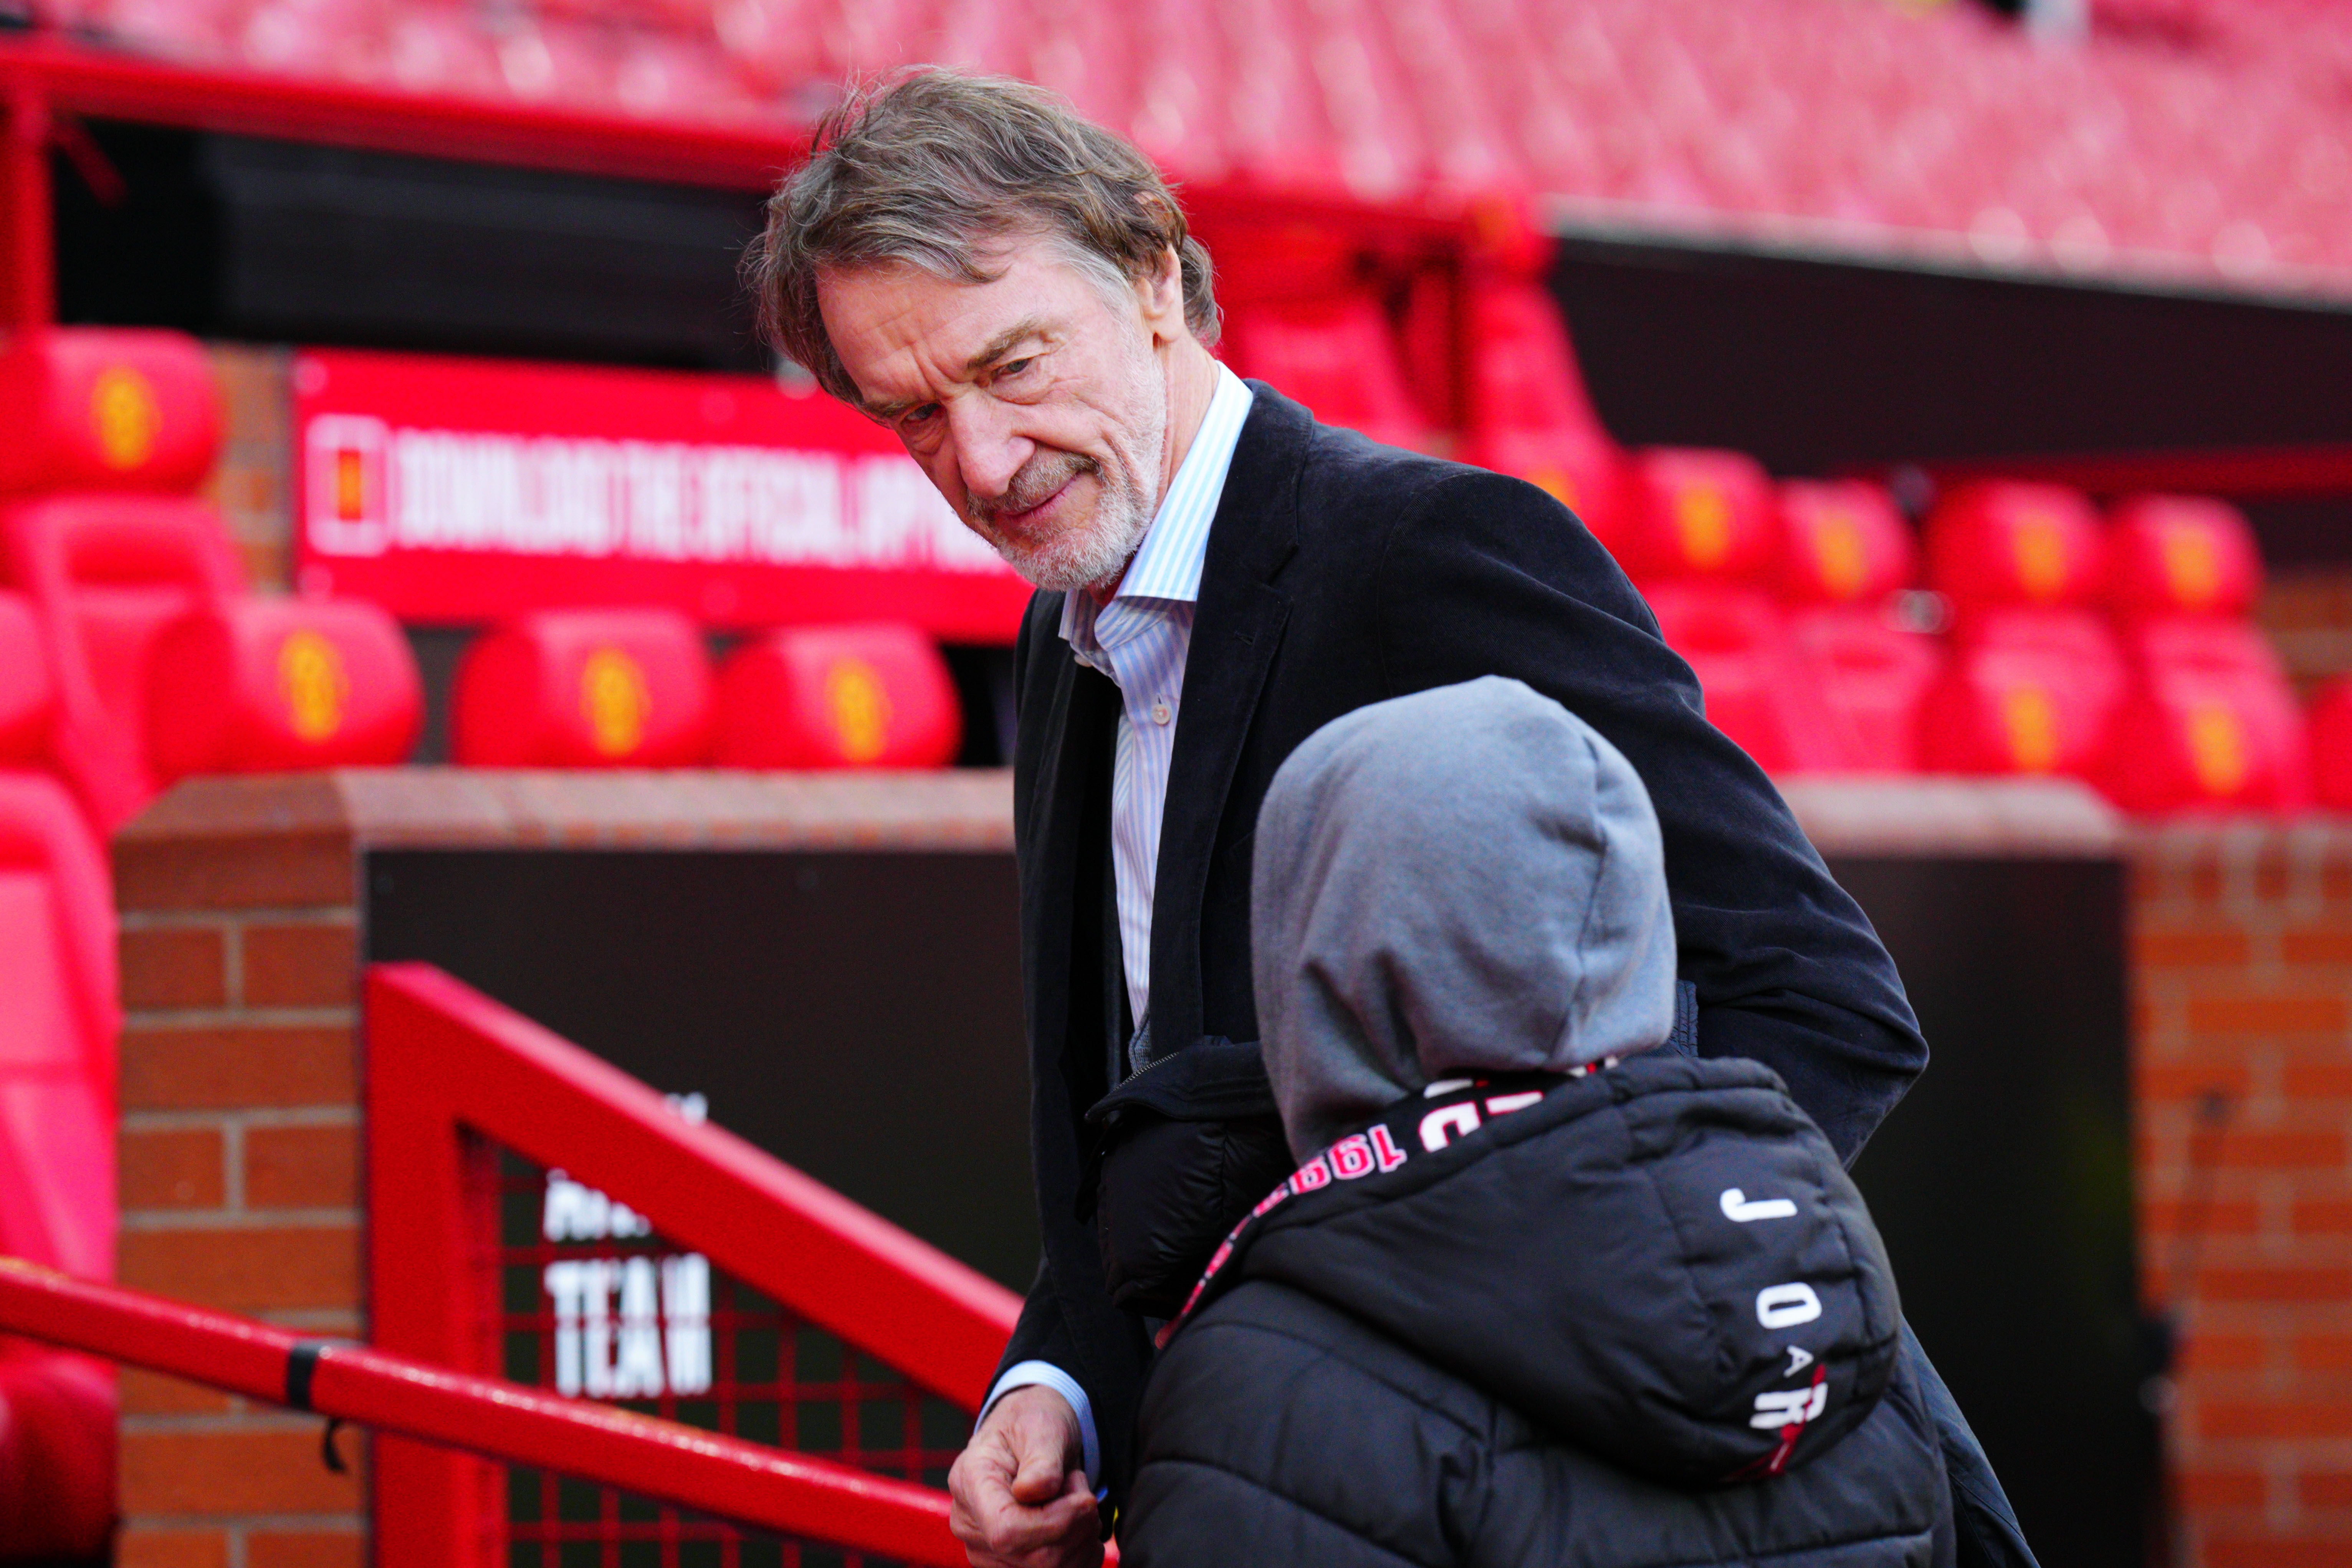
(58, 1009)
(274, 685)
(2328, 731)
(2182, 555)
(106, 574)
(106, 408)
(1337, 356)
(583, 689)
(1872, 677)
(2025, 692)
(1997, 543)
(1699, 514)
(875, 696)
(1529, 415)
(1736, 642)
(1841, 543)
(2208, 721)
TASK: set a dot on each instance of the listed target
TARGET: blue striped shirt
(1141, 640)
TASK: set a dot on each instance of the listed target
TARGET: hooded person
(1545, 1290)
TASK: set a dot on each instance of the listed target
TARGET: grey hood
(1465, 880)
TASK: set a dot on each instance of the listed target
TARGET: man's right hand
(1020, 1491)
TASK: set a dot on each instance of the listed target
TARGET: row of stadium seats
(2116, 650)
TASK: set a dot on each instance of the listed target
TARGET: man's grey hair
(935, 169)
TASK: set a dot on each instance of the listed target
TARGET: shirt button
(1161, 711)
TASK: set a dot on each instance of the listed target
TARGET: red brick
(138, 1547)
(2168, 1217)
(179, 1168)
(2276, 1148)
(302, 1167)
(2316, 1079)
(2292, 1014)
(144, 1392)
(2173, 1082)
(2266, 1551)
(234, 871)
(2278, 1283)
(2203, 948)
(2221, 1488)
(300, 965)
(2207, 1352)
(187, 1070)
(226, 1473)
(2273, 877)
(2327, 945)
(2203, 883)
(2275, 1418)
(2324, 1489)
(174, 966)
(309, 1549)
(2322, 1217)
(246, 1270)
(2324, 1353)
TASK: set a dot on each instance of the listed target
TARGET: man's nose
(989, 450)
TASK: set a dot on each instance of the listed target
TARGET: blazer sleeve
(1490, 575)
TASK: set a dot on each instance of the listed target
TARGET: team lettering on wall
(628, 1327)
(381, 487)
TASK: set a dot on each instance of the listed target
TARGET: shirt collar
(1167, 564)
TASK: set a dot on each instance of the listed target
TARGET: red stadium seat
(2172, 556)
(106, 575)
(1841, 543)
(2025, 692)
(58, 1020)
(583, 689)
(106, 408)
(1872, 676)
(2209, 720)
(1530, 417)
(1736, 642)
(1999, 542)
(1336, 356)
(277, 685)
(27, 693)
(1699, 514)
(837, 697)
(2329, 731)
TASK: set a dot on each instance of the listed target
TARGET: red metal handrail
(745, 1482)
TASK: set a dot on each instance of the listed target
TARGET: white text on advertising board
(375, 488)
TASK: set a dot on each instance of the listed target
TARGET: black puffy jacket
(1634, 1318)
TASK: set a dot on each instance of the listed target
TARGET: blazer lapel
(1236, 629)
(1075, 730)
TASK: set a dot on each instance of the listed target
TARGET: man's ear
(1162, 294)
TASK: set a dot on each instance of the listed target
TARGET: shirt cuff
(1045, 1374)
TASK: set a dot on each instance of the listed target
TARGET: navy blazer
(1340, 572)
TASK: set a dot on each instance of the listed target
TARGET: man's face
(1037, 403)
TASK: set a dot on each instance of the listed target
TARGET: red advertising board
(459, 491)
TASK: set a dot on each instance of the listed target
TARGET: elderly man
(1013, 291)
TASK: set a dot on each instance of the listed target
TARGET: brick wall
(2242, 943)
(239, 1153)
(240, 1136)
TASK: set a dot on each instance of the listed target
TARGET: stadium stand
(1337, 356)
(1846, 552)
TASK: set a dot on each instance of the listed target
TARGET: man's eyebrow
(995, 348)
(1001, 344)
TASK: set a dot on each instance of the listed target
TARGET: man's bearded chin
(1090, 552)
